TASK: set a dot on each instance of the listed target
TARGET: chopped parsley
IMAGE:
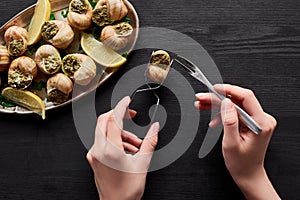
(93, 4)
(65, 13)
(52, 17)
(125, 55)
(38, 86)
(127, 19)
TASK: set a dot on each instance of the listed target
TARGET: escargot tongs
(195, 72)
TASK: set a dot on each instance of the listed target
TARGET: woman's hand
(243, 151)
(120, 175)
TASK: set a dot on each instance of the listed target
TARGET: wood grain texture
(255, 44)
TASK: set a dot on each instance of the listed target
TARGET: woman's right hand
(243, 151)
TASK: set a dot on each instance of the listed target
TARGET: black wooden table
(255, 44)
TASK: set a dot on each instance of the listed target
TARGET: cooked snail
(48, 59)
(21, 72)
(117, 36)
(16, 40)
(4, 59)
(58, 33)
(59, 87)
(108, 11)
(159, 66)
(79, 67)
(80, 14)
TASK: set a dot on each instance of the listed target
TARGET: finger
(101, 128)
(242, 96)
(131, 138)
(204, 106)
(151, 139)
(230, 121)
(130, 148)
(130, 114)
(115, 123)
(216, 121)
(209, 98)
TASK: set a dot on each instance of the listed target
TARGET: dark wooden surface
(255, 44)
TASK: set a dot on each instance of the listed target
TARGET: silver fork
(195, 72)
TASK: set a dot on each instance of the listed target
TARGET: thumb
(150, 141)
(231, 123)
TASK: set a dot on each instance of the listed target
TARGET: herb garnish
(52, 17)
(65, 13)
(5, 103)
(93, 4)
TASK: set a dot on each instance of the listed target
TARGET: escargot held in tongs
(59, 87)
(80, 14)
(116, 36)
(16, 40)
(109, 11)
(159, 66)
(58, 33)
(48, 59)
(79, 67)
(21, 72)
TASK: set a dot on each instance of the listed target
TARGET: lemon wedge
(100, 53)
(41, 15)
(25, 99)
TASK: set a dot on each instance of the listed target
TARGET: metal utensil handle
(245, 118)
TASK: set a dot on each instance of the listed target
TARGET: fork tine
(184, 66)
(192, 65)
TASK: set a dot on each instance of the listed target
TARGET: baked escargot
(79, 67)
(58, 33)
(16, 40)
(80, 14)
(116, 36)
(59, 88)
(4, 58)
(108, 11)
(159, 66)
(48, 59)
(21, 72)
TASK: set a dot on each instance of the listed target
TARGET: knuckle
(230, 120)
(249, 93)
(270, 124)
(226, 147)
(91, 158)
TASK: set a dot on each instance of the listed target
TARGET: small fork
(195, 72)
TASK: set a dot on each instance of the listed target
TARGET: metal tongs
(152, 85)
(195, 72)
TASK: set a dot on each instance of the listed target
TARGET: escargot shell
(48, 59)
(4, 59)
(80, 67)
(58, 33)
(59, 87)
(117, 36)
(159, 66)
(80, 14)
(21, 72)
(108, 11)
(16, 40)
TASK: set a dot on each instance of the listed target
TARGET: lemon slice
(41, 15)
(101, 53)
(25, 99)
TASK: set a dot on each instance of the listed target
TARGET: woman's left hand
(119, 175)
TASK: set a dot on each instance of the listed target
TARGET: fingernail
(218, 85)
(196, 104)
(156, 127)
(127, 99)
(201, 95)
